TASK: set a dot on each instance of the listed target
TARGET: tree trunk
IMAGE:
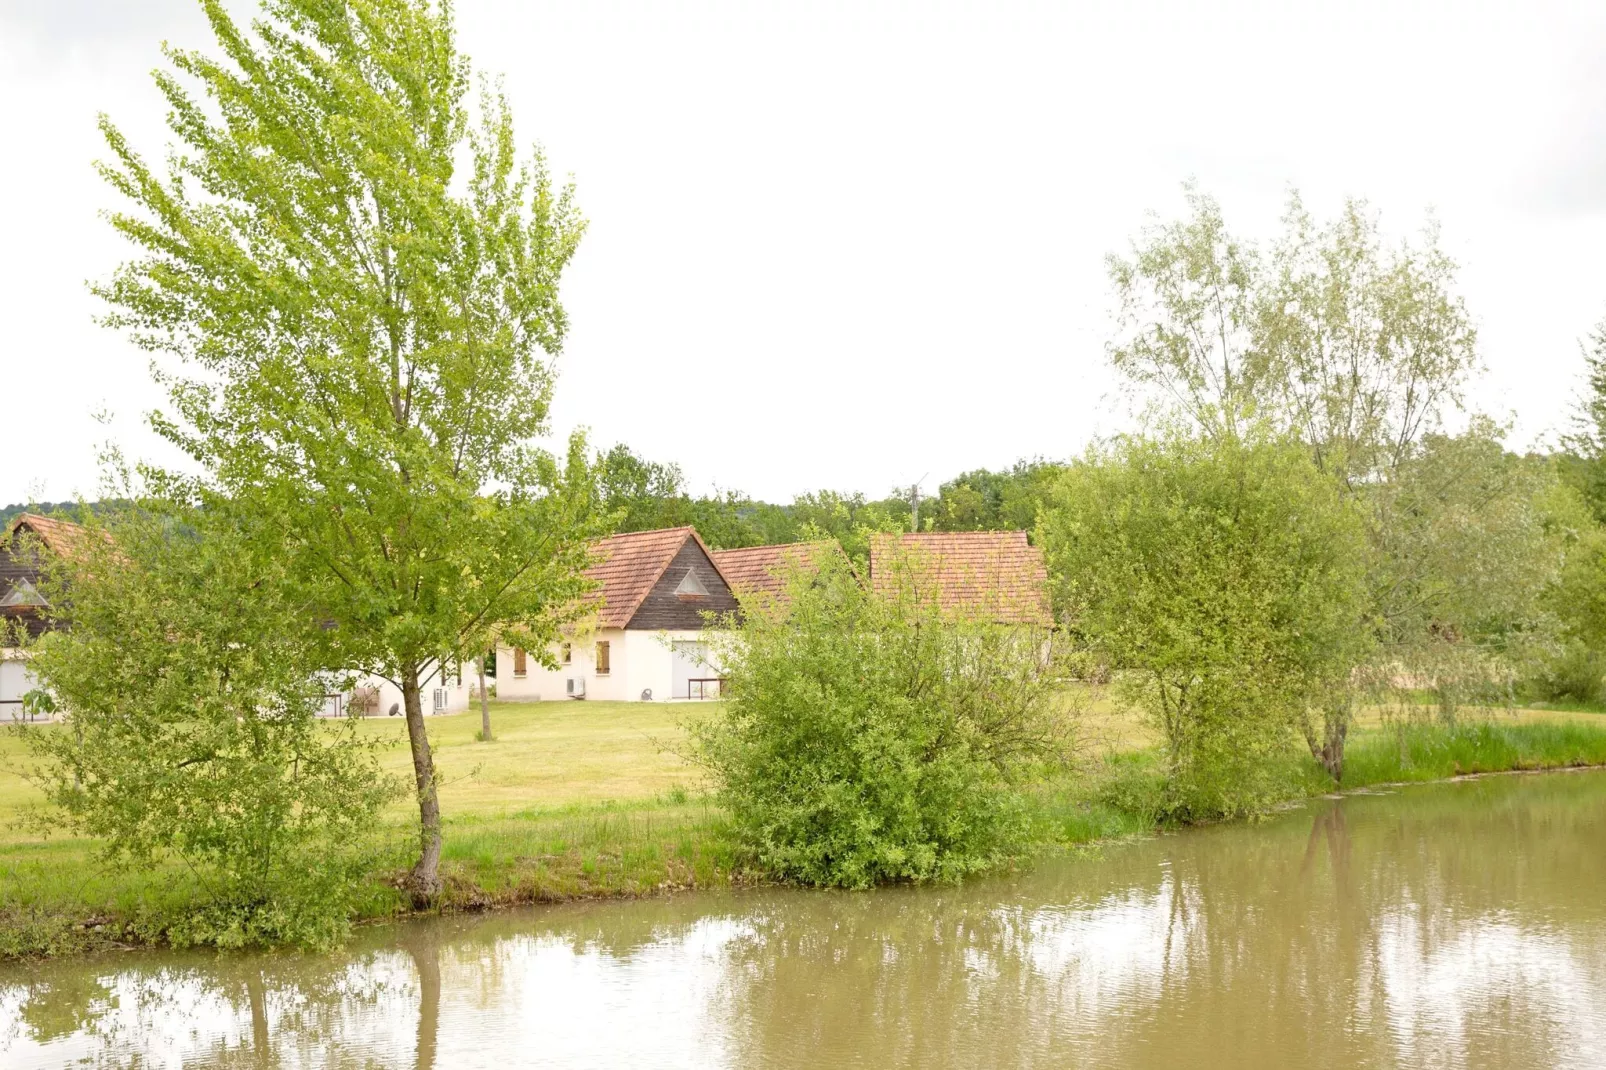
(1329, 749)
(485, 704)
(425, 880)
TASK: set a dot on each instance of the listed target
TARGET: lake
(1447, 925)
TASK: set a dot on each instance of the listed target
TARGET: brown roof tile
(763, 568)
(627, 566)
(59, 536)
(994, 573)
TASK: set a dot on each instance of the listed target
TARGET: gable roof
(58, 536)
(994, 573)
(763, 568)
(628, 566)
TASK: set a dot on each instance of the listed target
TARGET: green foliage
(870, 738)
(1358, 348)
(192, 692)
(99, 508)
(1006, 500)
(1468, 548)
(643, 495)
(1585, 444)
(363, 336)
(1222, 580)
(1186, 313)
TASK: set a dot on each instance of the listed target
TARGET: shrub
(1222, 579)
(873, 737)
(191, 699)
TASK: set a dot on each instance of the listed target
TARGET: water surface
(1455, 925)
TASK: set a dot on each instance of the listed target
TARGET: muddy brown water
(1451, 925)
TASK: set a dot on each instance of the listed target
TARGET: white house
(646, 643)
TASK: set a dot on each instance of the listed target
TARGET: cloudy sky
(850, 244)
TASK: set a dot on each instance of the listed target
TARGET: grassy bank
(590, 800)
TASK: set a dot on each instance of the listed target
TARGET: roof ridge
(625, 612)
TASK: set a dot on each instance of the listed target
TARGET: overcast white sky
(847, 244)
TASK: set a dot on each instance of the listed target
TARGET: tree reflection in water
(422, 947)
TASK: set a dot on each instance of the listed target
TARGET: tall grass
(1414, 752)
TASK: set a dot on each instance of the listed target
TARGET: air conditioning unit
(577, 687)
(442, 697)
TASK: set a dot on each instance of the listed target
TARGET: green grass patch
(547, 838)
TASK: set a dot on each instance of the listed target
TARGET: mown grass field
(596, 799)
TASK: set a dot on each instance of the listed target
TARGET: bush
(1222, 579)
(1575, 674)
(191, 693)
(871, 737)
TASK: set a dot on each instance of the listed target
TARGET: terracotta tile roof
(763, 568)
(995, 573)
(59, 536)
(627, 566)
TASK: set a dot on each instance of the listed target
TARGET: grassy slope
(590, 799)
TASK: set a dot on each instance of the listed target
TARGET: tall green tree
(1468, 554)
(1356, 347)
(356, 288)
(1222, 579)
(1185, 317)
(1584, 443)
(1362, 348)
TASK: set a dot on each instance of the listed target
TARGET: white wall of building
(455, 690)
(15, 681)
(638, 661)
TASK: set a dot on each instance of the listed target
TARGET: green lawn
(547, 754)
(544, 755)
(592, 799)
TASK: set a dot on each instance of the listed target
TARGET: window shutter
(602, 659)
(519, 663)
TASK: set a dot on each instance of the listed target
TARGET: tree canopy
(351, 286)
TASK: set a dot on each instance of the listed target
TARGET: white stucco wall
(638, 661)
(456, 688)
(15, 681)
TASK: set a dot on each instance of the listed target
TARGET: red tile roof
(59, 536)
(997, 574)
(627, 566)
(763, 568)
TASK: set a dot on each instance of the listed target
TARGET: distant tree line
(644, 495)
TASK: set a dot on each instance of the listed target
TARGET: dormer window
(23, 593)
(691, 588)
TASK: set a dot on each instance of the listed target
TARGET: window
(23, 594)
(602, 659)
(520, 665)
(691, 587)
(568, 653)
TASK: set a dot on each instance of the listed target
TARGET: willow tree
(1358, 347)
(351, 287)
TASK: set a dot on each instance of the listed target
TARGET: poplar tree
(351, 288)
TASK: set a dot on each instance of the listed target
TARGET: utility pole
(914, 503)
